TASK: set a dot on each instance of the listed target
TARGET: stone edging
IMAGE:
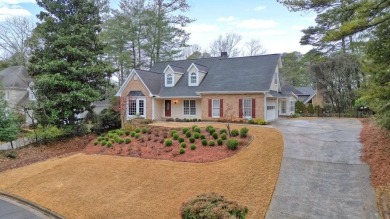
(33, 205)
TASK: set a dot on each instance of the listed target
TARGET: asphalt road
(10, 209)
(321, 174)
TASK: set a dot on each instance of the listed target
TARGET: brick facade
(231, 105)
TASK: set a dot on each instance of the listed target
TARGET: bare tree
(227, 44)
(188, 51)
(254, 47)
(14, 35)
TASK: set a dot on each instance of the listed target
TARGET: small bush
(173, 132)
(193, 147)
(211, 143)
(243, 132)
(180, 139)
(188, 134)
(197, 129)
(182, 150)
(137, 130)
(120, 132)
(127, 132)
(127, 140)
(208, 127)
(137, 135)
(12, 154)
(109, 144)
(144, 130)
(215, 135)
(104, 142)
(96, 143)
(212, 205)
(234, 132)
(194, 127)
(202, 137)
(192, 139)
(261, 122)
(232, 144)
(100, 138)
(220, 141)
(211, 131)
(175, 136)
(168, 142)
(120, 141)
(223, 136)
(132, 134)
(196, 135)
(222, 131)
(185, 130)
(183, 145)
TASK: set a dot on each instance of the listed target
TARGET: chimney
(224, 54)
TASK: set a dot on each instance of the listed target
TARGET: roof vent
(224, 54)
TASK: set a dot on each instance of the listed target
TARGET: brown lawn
(101, 186)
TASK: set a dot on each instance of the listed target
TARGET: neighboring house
(208, 89)
(309, 95)
(17, 83)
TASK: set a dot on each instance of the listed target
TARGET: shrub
(223, 136)
(107, 119)
(120, 140)
(222, 131)
(194, 127)
(100, 138)
(197, 129)
(127, 132)
(137, 135)
(109, 144)
(193, 147)
(196, 135)
(188, 134)
(168, 142)
(183, 145)
(144, 130)
(232, 144)
(182, 150)
(243, 132)
(127, 140)
(185, 130)
(175, 136)
(12, 154)
(173, 132)
(212, 205)
(104, 142)
(234, 132)
(261, 122)
(211, 143)
(132, 134)
(192, 139)
(252, 121)
(47, 134)
(208, 127)
(137, 130)
(211, 131)
(180, 139)
(120, 132)
(202, 137)
(96, 143)
(215, 135)
(220, 141)
(204, 142)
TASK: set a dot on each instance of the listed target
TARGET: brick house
(208, 89)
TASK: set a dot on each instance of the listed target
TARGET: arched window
(169, 79)
(193, 78)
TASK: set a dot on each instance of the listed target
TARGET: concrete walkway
(11, 209)
(321, 174)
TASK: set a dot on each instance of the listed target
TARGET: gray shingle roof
(152, 80)
(201, 67)
(306, 90)
(136, 93)
(253, 73)
(177, 68)
(15, 77)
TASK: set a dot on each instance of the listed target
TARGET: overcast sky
(266, 20)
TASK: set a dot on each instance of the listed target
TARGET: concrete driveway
(11, 209)
(321, 174)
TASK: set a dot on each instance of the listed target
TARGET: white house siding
(275, 87)
(289, 110)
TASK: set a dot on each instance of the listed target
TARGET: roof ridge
(149, 71)
(219, 58)
(200, 64)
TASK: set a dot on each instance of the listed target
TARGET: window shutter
(221, 108)
(240, 108)
(253, 108)
(210, 108)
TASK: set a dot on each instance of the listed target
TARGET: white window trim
(6, 94)
(292, 106)
(250, 108)
(215, 108)
(283, 110)
(166, 80)
(189, 108)
(31, 94)
(197, 79)
(137, 107)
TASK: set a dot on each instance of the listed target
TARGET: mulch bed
(151, 146)
(34, 153)
(376, 153)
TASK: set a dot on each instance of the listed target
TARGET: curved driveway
(321, 174)
(11, 209)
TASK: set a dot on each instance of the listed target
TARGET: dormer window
(169, 80)
(31, 94)
(193, 78)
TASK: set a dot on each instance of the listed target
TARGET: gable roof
(306, 93)
(15, 77)
(152, 80)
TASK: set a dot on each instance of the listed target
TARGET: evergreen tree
(67, 63)
(9, 127)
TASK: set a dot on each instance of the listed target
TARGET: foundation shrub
(234, 132)
(232, 144)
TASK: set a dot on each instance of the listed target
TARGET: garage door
(271, 110)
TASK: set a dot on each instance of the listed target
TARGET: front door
(168, 108)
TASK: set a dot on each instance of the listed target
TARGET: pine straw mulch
(103, 186)
(376, 153)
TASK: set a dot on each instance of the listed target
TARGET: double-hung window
(292, 106)
(136, 107)
(193, 78)
(216, 108)
(190, 107)
(284, 106)
(169, 79)
(247, 107)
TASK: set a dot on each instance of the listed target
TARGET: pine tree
(67, 63)
(9, 128)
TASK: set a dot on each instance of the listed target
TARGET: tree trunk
(12, 145)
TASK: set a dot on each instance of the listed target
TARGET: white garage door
(271, 110)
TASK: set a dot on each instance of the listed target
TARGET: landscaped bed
(98, 186)
(189, 144)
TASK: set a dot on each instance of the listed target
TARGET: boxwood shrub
(180, 139)
(196, 135)
(220, 141)
(183, 145)
(197, 129)
(211, 143)
(202, 137)
(243, 132)
(192, 139)
(127, 140)
(188, 134)
(222, 131)
(223, 136)
(185, 130)
(182, 150)
(232, 144)
(168, 142)
(137, 130)
(215, 135)
(234, 132)
(193, 147)
(204, 142)
(175, 136)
